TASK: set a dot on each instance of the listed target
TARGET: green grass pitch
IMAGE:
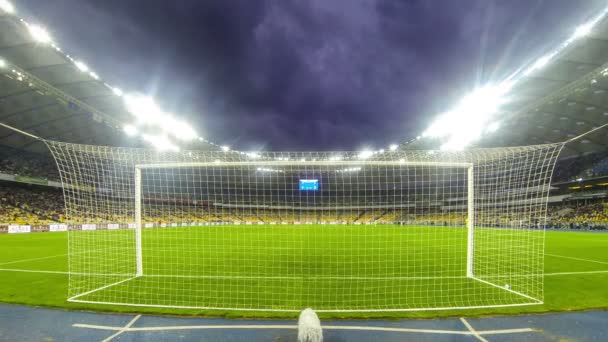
(33, 270)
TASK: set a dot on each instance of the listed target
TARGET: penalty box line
(574, 258)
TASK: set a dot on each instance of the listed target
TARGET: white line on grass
(475, 333)
(325, 327)
(32, 259)
(124, 329)
(581, 259)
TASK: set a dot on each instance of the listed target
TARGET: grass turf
(576, 270)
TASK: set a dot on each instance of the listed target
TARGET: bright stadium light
(365, 154)
(81, 66)
(39, 34)
(117, 91)
(178, 129)
(582, 30)
(2, 63)
(225, 148)
(467, 121)
(131, 130)
(143, 108)
(393, 147)
(94, 75)
(7, 7)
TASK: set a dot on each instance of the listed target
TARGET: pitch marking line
(573, 258)
(470, 332)
(24, 260)
(124, 329)
(475, 333)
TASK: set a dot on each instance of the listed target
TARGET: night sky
(307, 75)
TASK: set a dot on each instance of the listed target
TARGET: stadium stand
(29, 164)
(42, 205)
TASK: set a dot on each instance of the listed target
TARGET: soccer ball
(507, 286)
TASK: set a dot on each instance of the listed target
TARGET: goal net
(398, 230)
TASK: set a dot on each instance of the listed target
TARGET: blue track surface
(23, 323)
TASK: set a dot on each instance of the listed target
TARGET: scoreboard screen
(309, 184)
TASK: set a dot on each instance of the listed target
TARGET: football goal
(335, 231)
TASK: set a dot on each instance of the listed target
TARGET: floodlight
(2, 63)
(365, 154)
(117, 91)
(131, 130)
(393, 147)
(39, 34)
(225, 148)
(81, 66)
(582, 30)
(176, 128)
(94, 75)
(143, 108)
(7, 6)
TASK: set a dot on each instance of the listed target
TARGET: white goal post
(335, 231)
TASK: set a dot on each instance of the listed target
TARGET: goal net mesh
(398, 230)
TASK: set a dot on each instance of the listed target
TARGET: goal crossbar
(219, 163)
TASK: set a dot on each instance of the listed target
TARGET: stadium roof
(52, 95)
(564, 96)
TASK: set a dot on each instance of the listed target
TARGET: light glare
(117, 91)
(582, 30)
(81, 66)
(393, 147)
(131, 130)
(39, 34)
(365, 154)
(7, 7)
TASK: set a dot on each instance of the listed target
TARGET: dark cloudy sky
(307, 75)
